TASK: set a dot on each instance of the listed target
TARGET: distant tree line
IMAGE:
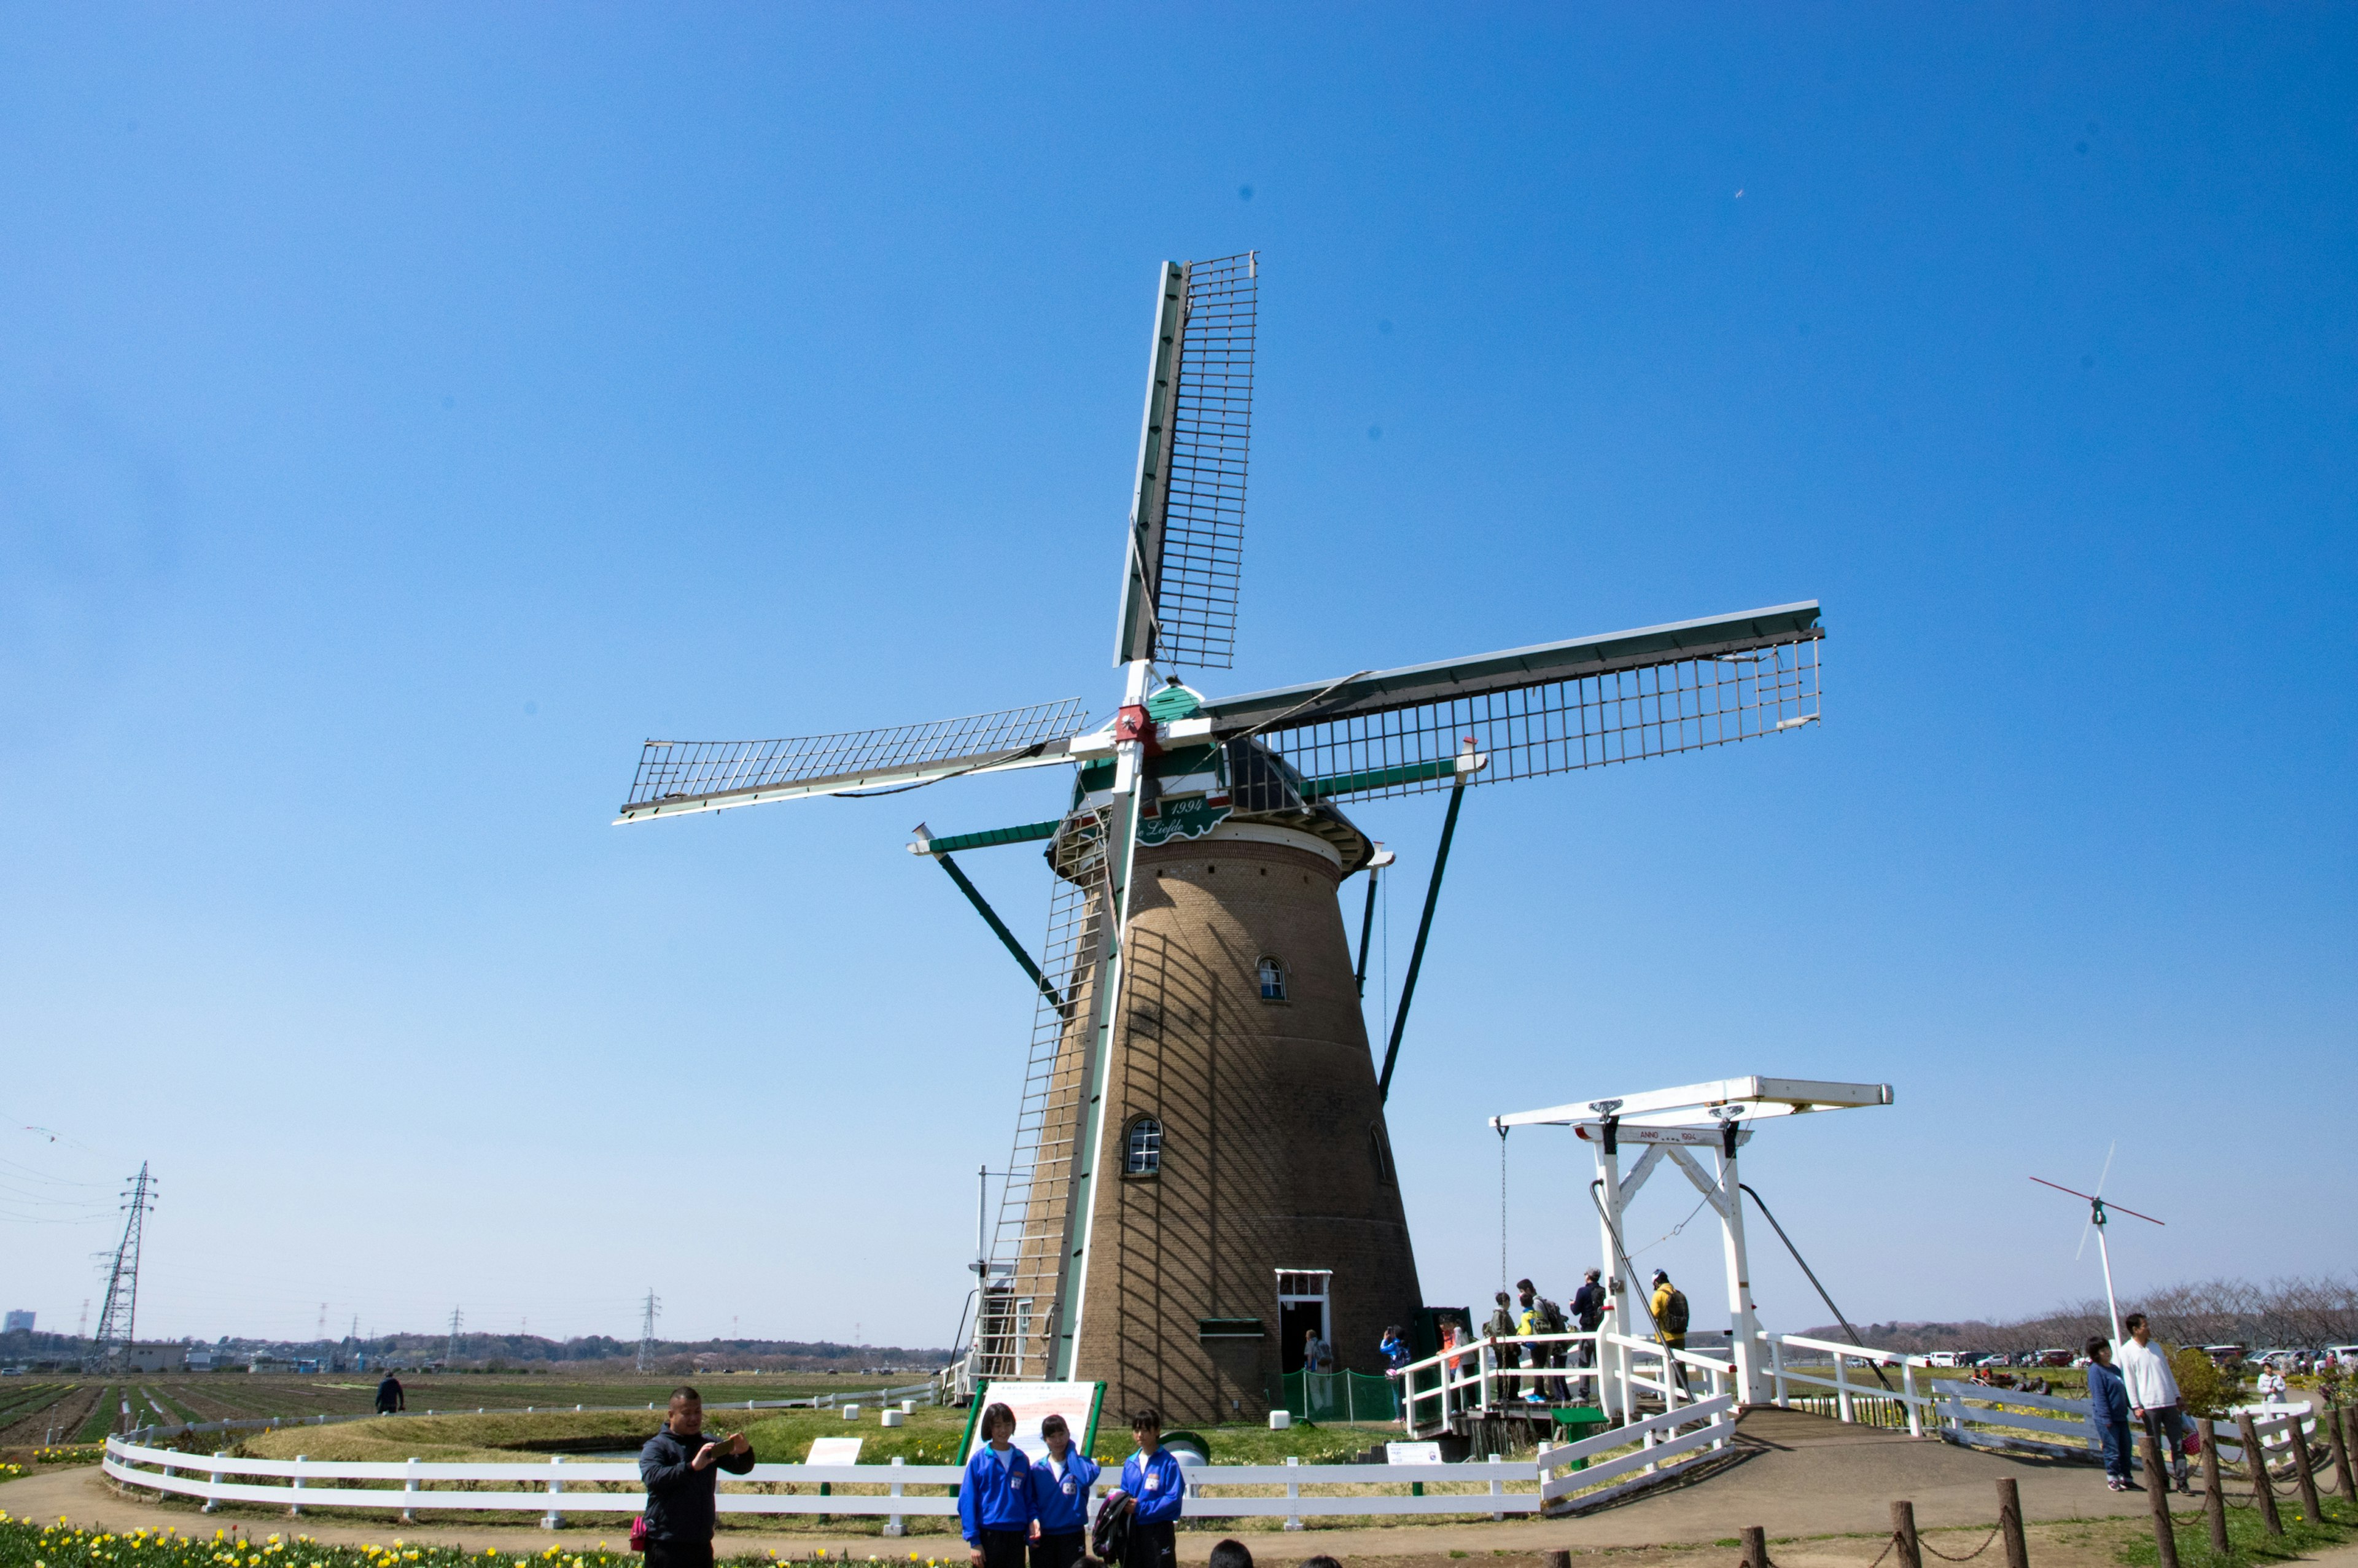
(2301, 1312)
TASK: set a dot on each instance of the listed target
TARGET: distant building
(144, 1358)
(15, 1321)
(263, 1361)
(202, 1360)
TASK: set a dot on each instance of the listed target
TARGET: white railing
(1473, 1379)
(1783, 1375)
(1978, 1415)
(1666, 1447)
(1292, 1491)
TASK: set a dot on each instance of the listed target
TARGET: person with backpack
(1157, 1489)
(1541, 1315)
(1589, 1305)
(679, 1467)
(391, 1396)
(1670, 1306)
(1503, 1329)
(995, 1510)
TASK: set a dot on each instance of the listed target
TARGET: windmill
(2098, 1214)
(1201, 1168)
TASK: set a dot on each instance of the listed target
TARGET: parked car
(1991, 1361)
(2056, 1358)
(2225, 1354)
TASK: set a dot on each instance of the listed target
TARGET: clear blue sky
(404, 411)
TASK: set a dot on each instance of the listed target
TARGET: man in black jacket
(1588, 1307)
(680, 1468)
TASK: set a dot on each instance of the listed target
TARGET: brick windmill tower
(1201, 1171)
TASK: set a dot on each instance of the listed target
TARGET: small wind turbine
(2096, 1217)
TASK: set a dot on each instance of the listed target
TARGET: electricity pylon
(647, 1330)
(117, 1319)
(450, 1357)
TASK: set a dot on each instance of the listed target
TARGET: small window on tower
(1144, 1155)
(1272, 980)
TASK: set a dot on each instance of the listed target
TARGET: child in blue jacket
(2108, 1409)
(1153, 1480)
(1060, 1499)
(995, 1507)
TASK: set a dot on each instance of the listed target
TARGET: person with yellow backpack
(1670, 1309)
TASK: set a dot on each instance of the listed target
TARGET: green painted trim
(1097, 1403)
(954, 842)
(1377, 778)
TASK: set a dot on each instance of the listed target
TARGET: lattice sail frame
(1211, 430)
(708, 775)
(1584, 721)
(1016, 1319)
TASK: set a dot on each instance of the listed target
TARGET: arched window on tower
(1143, 1148)
(1272, 980)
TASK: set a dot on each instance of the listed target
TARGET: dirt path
(84, 1497)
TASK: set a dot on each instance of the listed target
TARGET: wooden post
(2009, 1524)
(2214, 1492)
(2343, 1478)
(2304, 1476)
(1756, 1541)
(2255, 1467)
(1903, 1537)
(1558, 1560)
(2156, 1487)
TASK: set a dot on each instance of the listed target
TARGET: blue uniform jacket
(994, 1495)
(1158, 1484)
(1062, 1507)
(2108, 1397)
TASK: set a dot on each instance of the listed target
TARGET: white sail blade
(675, 777)
(1523, 712)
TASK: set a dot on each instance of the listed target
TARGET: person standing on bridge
(1589, 1307)
(1503, 1329)
(1669, 1307)
(680, 1468)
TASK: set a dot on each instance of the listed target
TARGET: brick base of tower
(1273, 1156)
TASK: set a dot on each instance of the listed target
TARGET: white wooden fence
(923, 1393)
(1610, 1464)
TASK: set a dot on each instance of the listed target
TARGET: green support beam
(1377, 778)
(1423, 929)
(991, 915)
(990, 837)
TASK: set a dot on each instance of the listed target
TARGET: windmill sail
(1187, 512)
(1529, 711)
(680, 777)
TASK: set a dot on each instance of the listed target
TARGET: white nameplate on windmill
(1413, 1454)
(1033, 1403)
(834, 1451)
